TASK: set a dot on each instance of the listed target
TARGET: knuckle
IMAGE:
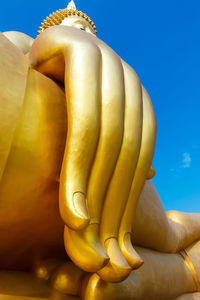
(85, 43)
(131, 74)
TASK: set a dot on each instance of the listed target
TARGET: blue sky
(161, 41)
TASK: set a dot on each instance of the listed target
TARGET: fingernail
(132, 257)
(80, 205)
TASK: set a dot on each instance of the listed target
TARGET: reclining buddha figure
(79, 214)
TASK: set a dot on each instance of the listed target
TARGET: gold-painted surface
(149, 283)
(193, 253)
(81, 138)
(189, 296)
(117, 269)
(190, 266)
(67, 279)
(117, 194)
(29, 212)
(84, 248)
(105, 131)
(21, 40)
(25, 286)
(9, 297)
(76, 17)
(71, 5)
(151, 173)
(14, 69)
(165, 232)
(162, 276)
(44, 269)
(142, 168)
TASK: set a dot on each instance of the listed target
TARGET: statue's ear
(14, 68)
(21, 40)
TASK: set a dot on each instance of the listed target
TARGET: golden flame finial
(71, 5)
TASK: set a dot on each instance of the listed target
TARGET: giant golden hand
(109, 148)
(105, 155)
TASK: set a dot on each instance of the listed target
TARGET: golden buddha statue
(78, 133)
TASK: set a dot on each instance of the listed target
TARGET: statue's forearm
(163, 276)
(153, 228)
(167, 274)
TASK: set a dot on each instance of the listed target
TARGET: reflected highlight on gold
(79, 215)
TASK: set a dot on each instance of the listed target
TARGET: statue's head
(69, 16)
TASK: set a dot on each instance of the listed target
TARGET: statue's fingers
(81, 56)
(111, 131)
(82, 82)
(120, 184)
(86, 243)
(71, 56)
(84, 248)
(94, 288)
(142, 169)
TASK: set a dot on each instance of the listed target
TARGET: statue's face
(79, 23)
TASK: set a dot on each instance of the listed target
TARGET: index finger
(69, 55)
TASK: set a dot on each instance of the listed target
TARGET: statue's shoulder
(21, 40)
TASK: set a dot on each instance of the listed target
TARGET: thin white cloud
(186, 162)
